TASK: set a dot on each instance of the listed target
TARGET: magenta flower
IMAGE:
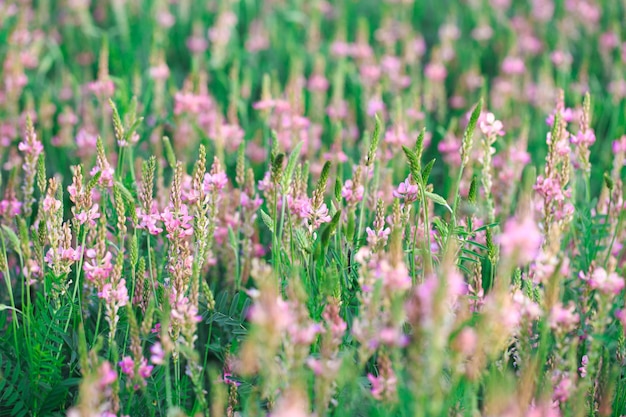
(98, 270)
(407, 191)
(145, 370)
(128, 366)
(117, 295)
(215, 182)
(158, 354)
(436, 72)
(148, 221)
(607, 283)
(89, 216)
(563, 318)
(350, 194)
(177, 224)
(521, 240)
(490, 126)
(317, 217)
(107, 375)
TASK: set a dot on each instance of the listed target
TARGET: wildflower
(98, 270)
(145, 370)
(128, 366)
(606, 283)
(395, 278)
(383, 385)
(51, 204)
(160, 72)
(215, 181)
(177, 223)
(375, 237)
(350, 194)
(158, 354)
(435, 71)
(466, 342)
(89, 216)
(562, 318)
(318, 83)
(107, 375)
(316, 217)
(407, 191)
(148, 221)
(513, 65)
(583, 366)
(521, 240)
(117, 295)
(490, 126)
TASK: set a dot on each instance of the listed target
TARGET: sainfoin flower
(407, 191)
(490, 126)
(605, 282)
(563, 318)
(520, 240)
(158, 354)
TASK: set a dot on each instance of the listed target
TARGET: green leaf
(169, 153)
(13, 239)
(426, 171)
(329, 230)
(267, 220)
(414, 163)
(436, 198)
(291, 164)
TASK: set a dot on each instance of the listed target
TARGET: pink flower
(102, 88)
(128, 366)
(585, 138)
(407, 191)
(435, 71)
(160, 72)
(148, 220)
(107, 375)
(11, 207)
(215, 182)
(521, 240)
(33, 147)
(583, 366)
(98, 271)
(375, 106)
(378, 386)
(177, 224)
(158, 354)
(605, 282)
(394, 278)
(337, 110)
(619, 145)
(513, 65)
(318, 216)
(317, 83)
(51, 204)
(467, 341)
(115, 295)
(89, 216)
(376, 236)
(563, 318)
(351, 195)
(490, 126)
(197, 44)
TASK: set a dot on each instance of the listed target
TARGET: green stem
(152, 282)
(95, 335)
(428, 267)
(359, 229)
(617, 230)
(77, 283)
(7, 280)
